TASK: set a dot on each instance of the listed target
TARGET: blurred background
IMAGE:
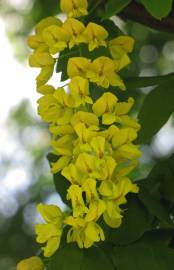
(25, 178)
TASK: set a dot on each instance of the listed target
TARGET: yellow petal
(32, 263)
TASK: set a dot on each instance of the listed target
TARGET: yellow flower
(41, 59)
(84, 134)
(72, 174)
(74, 8)
(36, 42)
(56, 107)
(122, 108)
(92, 233)
(87, 118)
(56, 38)
(90, 189)
(75, 29)
(74, 193)
(105, 104)
(84, 233)
(107, 168)
(79, 90)
(78, 66)
(45, 75)
(57, 130)
(102, 72)
(32, 263)
(127, 151)
(60, 164)
(46, 89)
(51, 231)
(112, 215)
(63, 146)
(96, 209)
(44, 23)
(95, 36)
(123, 136)
(120, 46)
(88, 165)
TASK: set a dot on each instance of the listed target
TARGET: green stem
(140, 82)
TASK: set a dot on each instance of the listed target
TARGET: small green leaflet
(158, 8)
(115, 6)
(156, 110)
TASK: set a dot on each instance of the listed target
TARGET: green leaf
(156, 110)
(155, 207)
(136, 220)
(158, 8)
(160, 181)
(115, 6)
(95, 258)
(133, 83)
(70, 257)
(144, 255)
(60, 182)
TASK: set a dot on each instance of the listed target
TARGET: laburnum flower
(79, 90)
(49, 233)
(56, 107)
(46, 89)
(74, 193)
(56, 38)
(94, 35)
(72, 173)
(84, 133)
(74, 28)
(110, 109)
(121, 45)
(32, 263)
(78, 66)
(46, 62)
(119, 48)
(36, 41)
(83, 232)
(102, 71)
(87, 118)
(74, 8)
(63, 145)
(114, 195)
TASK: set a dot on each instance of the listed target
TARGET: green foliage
(147, 253)
(70, 257)
(132, 228)
(158, 8)
(156, 110)
(113, 7)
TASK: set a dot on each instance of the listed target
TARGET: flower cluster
(93, 139)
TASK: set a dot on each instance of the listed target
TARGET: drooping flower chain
(93, 140)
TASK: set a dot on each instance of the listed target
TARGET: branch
(137, 13)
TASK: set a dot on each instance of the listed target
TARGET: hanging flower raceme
(93, 139)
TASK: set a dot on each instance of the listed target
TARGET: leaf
(60, 182)
(133, 83)
(156, 110)
(144, 255)
(95, 258)
(136, 220)
(158, 8)
(115, 6)
(70, 257)
(155, 207)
